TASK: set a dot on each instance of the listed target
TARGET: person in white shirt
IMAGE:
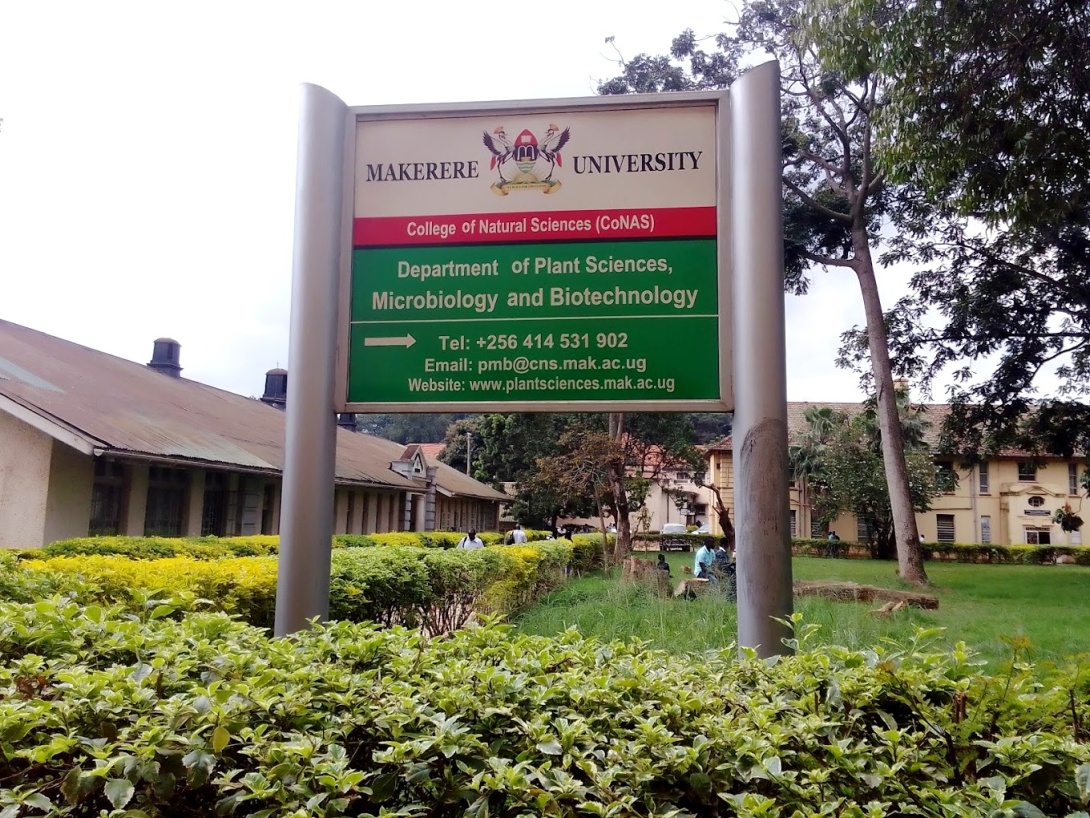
(518, 536)
(471, 540)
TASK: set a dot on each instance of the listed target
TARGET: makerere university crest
(525, 163)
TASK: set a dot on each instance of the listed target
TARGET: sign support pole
(760, 370)
(306, 529)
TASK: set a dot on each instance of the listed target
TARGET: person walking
(471, 540)
(518, 536)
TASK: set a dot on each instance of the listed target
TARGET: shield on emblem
(525, 150)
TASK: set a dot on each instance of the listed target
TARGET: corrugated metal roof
(128, 408)
(432, 450)
(452, 481)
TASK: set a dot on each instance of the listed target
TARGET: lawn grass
(1043, 607)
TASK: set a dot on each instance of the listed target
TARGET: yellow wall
(1005, 504)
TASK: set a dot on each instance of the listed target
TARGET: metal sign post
(759, 431)
(556, 255)
(310, 447)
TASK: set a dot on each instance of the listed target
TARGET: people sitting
(705, 557)
(663, 565)
(723, 570)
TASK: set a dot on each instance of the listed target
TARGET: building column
(195, 506)
(137, 500)
(371, 520)
(340, 511)
(430, 523)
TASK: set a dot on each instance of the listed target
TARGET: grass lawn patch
(1044, 610)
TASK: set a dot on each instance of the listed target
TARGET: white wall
(68, 506)
(25, 455)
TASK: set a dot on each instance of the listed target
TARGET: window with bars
(164, 513)
(1038, 536)
(944, 528)
(1027, 472)
(793, 522)
(107, 498)
(862, 530)
(1072, 478)
(269, 523)
(815, 528)
(985, 529)
(946, 477)
(214, 509)
(982, 472)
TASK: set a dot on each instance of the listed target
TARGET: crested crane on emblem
(555, 139)
(524, 163)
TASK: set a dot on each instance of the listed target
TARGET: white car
(703, 529)
(674, 528)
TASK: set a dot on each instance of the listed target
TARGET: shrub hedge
(146, 548)
(437, 589)
(249, 546)
(955, 552)
(106, 712)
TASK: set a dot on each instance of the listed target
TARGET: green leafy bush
(436, 588)
(153, 548)
(102, 709)
(587, 553)
(954, 552)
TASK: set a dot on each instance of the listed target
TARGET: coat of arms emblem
(524, 163)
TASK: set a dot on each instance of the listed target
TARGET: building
(94, 444)
(1010, 499)
(674, 496)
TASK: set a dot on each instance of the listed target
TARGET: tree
(584, 471)
(651, 443)
(809, 461)
(835, 198)
(839, 457)
(508, 448)
(459, 449)
(408, 428)
(710, 426)
(989, 118)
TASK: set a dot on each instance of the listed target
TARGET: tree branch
(827, 260)
(810, 201)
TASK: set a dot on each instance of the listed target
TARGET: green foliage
(988, 606)
(103, 710)
(150, 548)
(588, 553)
(988, 120)
(436, 588)
(836, 199)
(840, 457)
(986, 553)
(408, 427)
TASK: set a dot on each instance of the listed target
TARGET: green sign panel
(513, 271)
(616, 321)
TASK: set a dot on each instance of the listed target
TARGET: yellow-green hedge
(435, 587)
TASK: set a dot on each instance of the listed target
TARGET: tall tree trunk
(623, 546)
(909, 559)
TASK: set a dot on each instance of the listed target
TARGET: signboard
(545, 258)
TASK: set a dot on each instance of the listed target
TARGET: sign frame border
(724, 241)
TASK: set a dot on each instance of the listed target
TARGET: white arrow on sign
(404, 341)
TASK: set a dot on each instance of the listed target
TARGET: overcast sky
(147, 156)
